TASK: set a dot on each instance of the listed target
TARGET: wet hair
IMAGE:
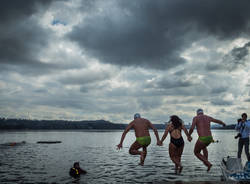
(176, 121)
(244, 114)
(76, 164)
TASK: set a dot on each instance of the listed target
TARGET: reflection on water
(96, 152)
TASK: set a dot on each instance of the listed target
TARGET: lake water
(97, 154)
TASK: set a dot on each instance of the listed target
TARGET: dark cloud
(21, 37)
(153, 34)
(170, 82)
(14, 10)
(236, 58)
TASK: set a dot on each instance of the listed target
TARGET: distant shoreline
(24, 124)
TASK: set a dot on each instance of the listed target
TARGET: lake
(97, 154)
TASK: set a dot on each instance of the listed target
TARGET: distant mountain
(8, 124)
(57, 124)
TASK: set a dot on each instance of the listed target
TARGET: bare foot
(176, 169)
(180, 169)
(142, 158)
(209, 167)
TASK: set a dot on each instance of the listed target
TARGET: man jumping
(141, 127)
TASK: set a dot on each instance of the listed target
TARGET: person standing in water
(141, 127)
(243, 126)
(202, 124)
(176, 144)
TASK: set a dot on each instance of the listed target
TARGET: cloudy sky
(96, 59)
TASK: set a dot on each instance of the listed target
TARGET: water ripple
(96, 152)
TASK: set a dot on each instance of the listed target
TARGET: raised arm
(119, 146)
(237, 126)
(218, 121)
(186, 132)
(155, 132)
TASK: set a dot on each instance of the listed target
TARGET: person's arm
(82, 171)
(165, 133)
(186, 132)
(119, 146)
(192, 127)
(155, 132)
(237, 126)
(218, 121)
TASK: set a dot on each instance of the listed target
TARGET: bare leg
(179, 153)
(143, 155)
(174, 156)
(133, 150)
(205, 153)
(197, 149)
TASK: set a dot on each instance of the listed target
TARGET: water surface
(96, 152)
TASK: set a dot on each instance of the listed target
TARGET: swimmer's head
(76, 165)
(137, 115)
(199, 111)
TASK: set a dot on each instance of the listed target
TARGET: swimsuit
(206, 139)
(177, 142)
(144, 141)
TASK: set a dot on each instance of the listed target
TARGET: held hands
(159, 143)
(190, 138)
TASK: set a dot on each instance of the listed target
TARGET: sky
(96, 59)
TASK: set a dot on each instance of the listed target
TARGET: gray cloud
(53, 58)
(218, 90)
(219, 101)
(236, 58)
(85, 77)
(21, 37)
(247, 100)
(153, 34)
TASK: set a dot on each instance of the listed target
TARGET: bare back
(175, 132)
(202, 123)
(141, 127)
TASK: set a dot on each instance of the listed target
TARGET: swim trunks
(144, 141)
(206, 139)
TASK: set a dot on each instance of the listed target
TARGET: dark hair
(76, 164)
(239, 120)
(176, 121)
(244, 114)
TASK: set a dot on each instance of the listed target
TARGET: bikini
(177, 142)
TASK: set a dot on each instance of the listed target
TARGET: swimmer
(202, 124)
(176, 144)
(76, 170)
(143, 139)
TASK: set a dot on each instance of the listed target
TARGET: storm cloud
(21, 36)
(153, 34)
(95, 59)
